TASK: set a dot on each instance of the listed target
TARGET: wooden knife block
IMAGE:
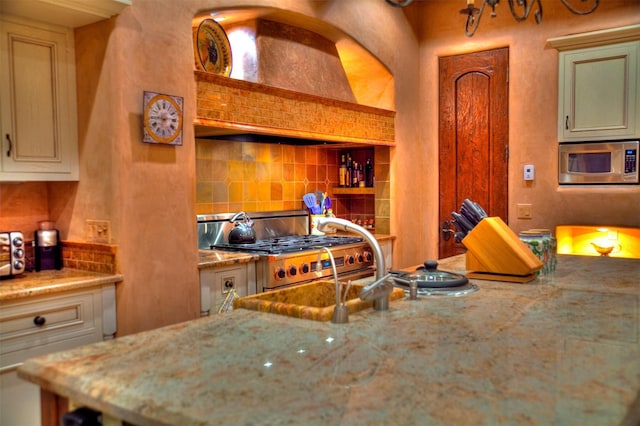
(494, 252)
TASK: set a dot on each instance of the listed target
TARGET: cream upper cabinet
(37, 102)
(599, 83)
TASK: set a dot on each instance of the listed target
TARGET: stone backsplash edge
(91, 257)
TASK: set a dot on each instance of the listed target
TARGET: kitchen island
(560, 350)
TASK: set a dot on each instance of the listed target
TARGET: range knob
(349, 259)
(360, 257)
(293, 270)
(280, 273)
(368, 257)
(304, 268)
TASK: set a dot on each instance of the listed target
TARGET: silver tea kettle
(242, 232)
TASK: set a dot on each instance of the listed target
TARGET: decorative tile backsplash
(89, 257)
(241, 105)
(234, 176)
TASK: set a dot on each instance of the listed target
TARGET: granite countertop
(560, 350)
(32, 284)
(219, 258)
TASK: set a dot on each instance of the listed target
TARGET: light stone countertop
(219, 258)
(557, 351)
(32, 284)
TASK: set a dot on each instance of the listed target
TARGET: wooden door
(473, 135)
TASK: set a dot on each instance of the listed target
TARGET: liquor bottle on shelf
(348, 176)
(355, 178)
(368, 173)
(361, 176)
(342, 170)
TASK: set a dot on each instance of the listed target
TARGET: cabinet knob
(39, 321)
(566, 122)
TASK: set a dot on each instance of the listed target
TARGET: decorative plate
(213, 51)
(162, 116)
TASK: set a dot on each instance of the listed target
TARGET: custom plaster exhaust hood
(298, 93)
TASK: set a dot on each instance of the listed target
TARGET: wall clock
(212, 48)
(162, 119)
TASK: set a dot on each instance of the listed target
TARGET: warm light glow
(245, 56)
(611, 241)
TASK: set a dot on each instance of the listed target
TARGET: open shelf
(354, 191)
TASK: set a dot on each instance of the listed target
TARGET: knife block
(494, 252)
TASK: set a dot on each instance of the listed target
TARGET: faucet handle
(376, 289)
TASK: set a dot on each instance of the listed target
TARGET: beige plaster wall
(532, 123)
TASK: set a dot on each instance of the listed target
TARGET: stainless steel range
(288, 254)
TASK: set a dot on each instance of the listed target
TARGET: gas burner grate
(288, 244)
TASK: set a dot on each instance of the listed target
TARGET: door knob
(447, 230)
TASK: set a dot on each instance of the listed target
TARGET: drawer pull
(39, 321)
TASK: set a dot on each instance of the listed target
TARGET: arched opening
(293, 51)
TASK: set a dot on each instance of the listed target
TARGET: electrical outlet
(524, 211)
(97, 231)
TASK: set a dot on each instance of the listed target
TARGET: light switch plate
(529, 172)
(97, 231)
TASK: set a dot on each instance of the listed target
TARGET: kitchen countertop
(219, 258)
(32, 284)
(560, 350)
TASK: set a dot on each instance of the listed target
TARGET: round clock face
(162, 118)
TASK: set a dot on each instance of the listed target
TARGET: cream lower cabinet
(38, 103)
(36, 326)
(215, 284)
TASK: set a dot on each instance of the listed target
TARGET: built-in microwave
(598, 163)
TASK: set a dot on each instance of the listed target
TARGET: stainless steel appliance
(12, 254)
(288, 255)
(599, 163)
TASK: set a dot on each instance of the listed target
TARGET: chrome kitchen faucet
(380, 289)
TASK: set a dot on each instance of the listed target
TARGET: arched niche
(294, 51)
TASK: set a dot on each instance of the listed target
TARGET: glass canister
(552, 246)
(539, 245)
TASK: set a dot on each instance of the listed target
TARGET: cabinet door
(215, 284)
(64, 321)
(598, 96)
(38, 103)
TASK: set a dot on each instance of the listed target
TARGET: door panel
(473, 134)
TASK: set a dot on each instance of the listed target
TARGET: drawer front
(49, 321)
